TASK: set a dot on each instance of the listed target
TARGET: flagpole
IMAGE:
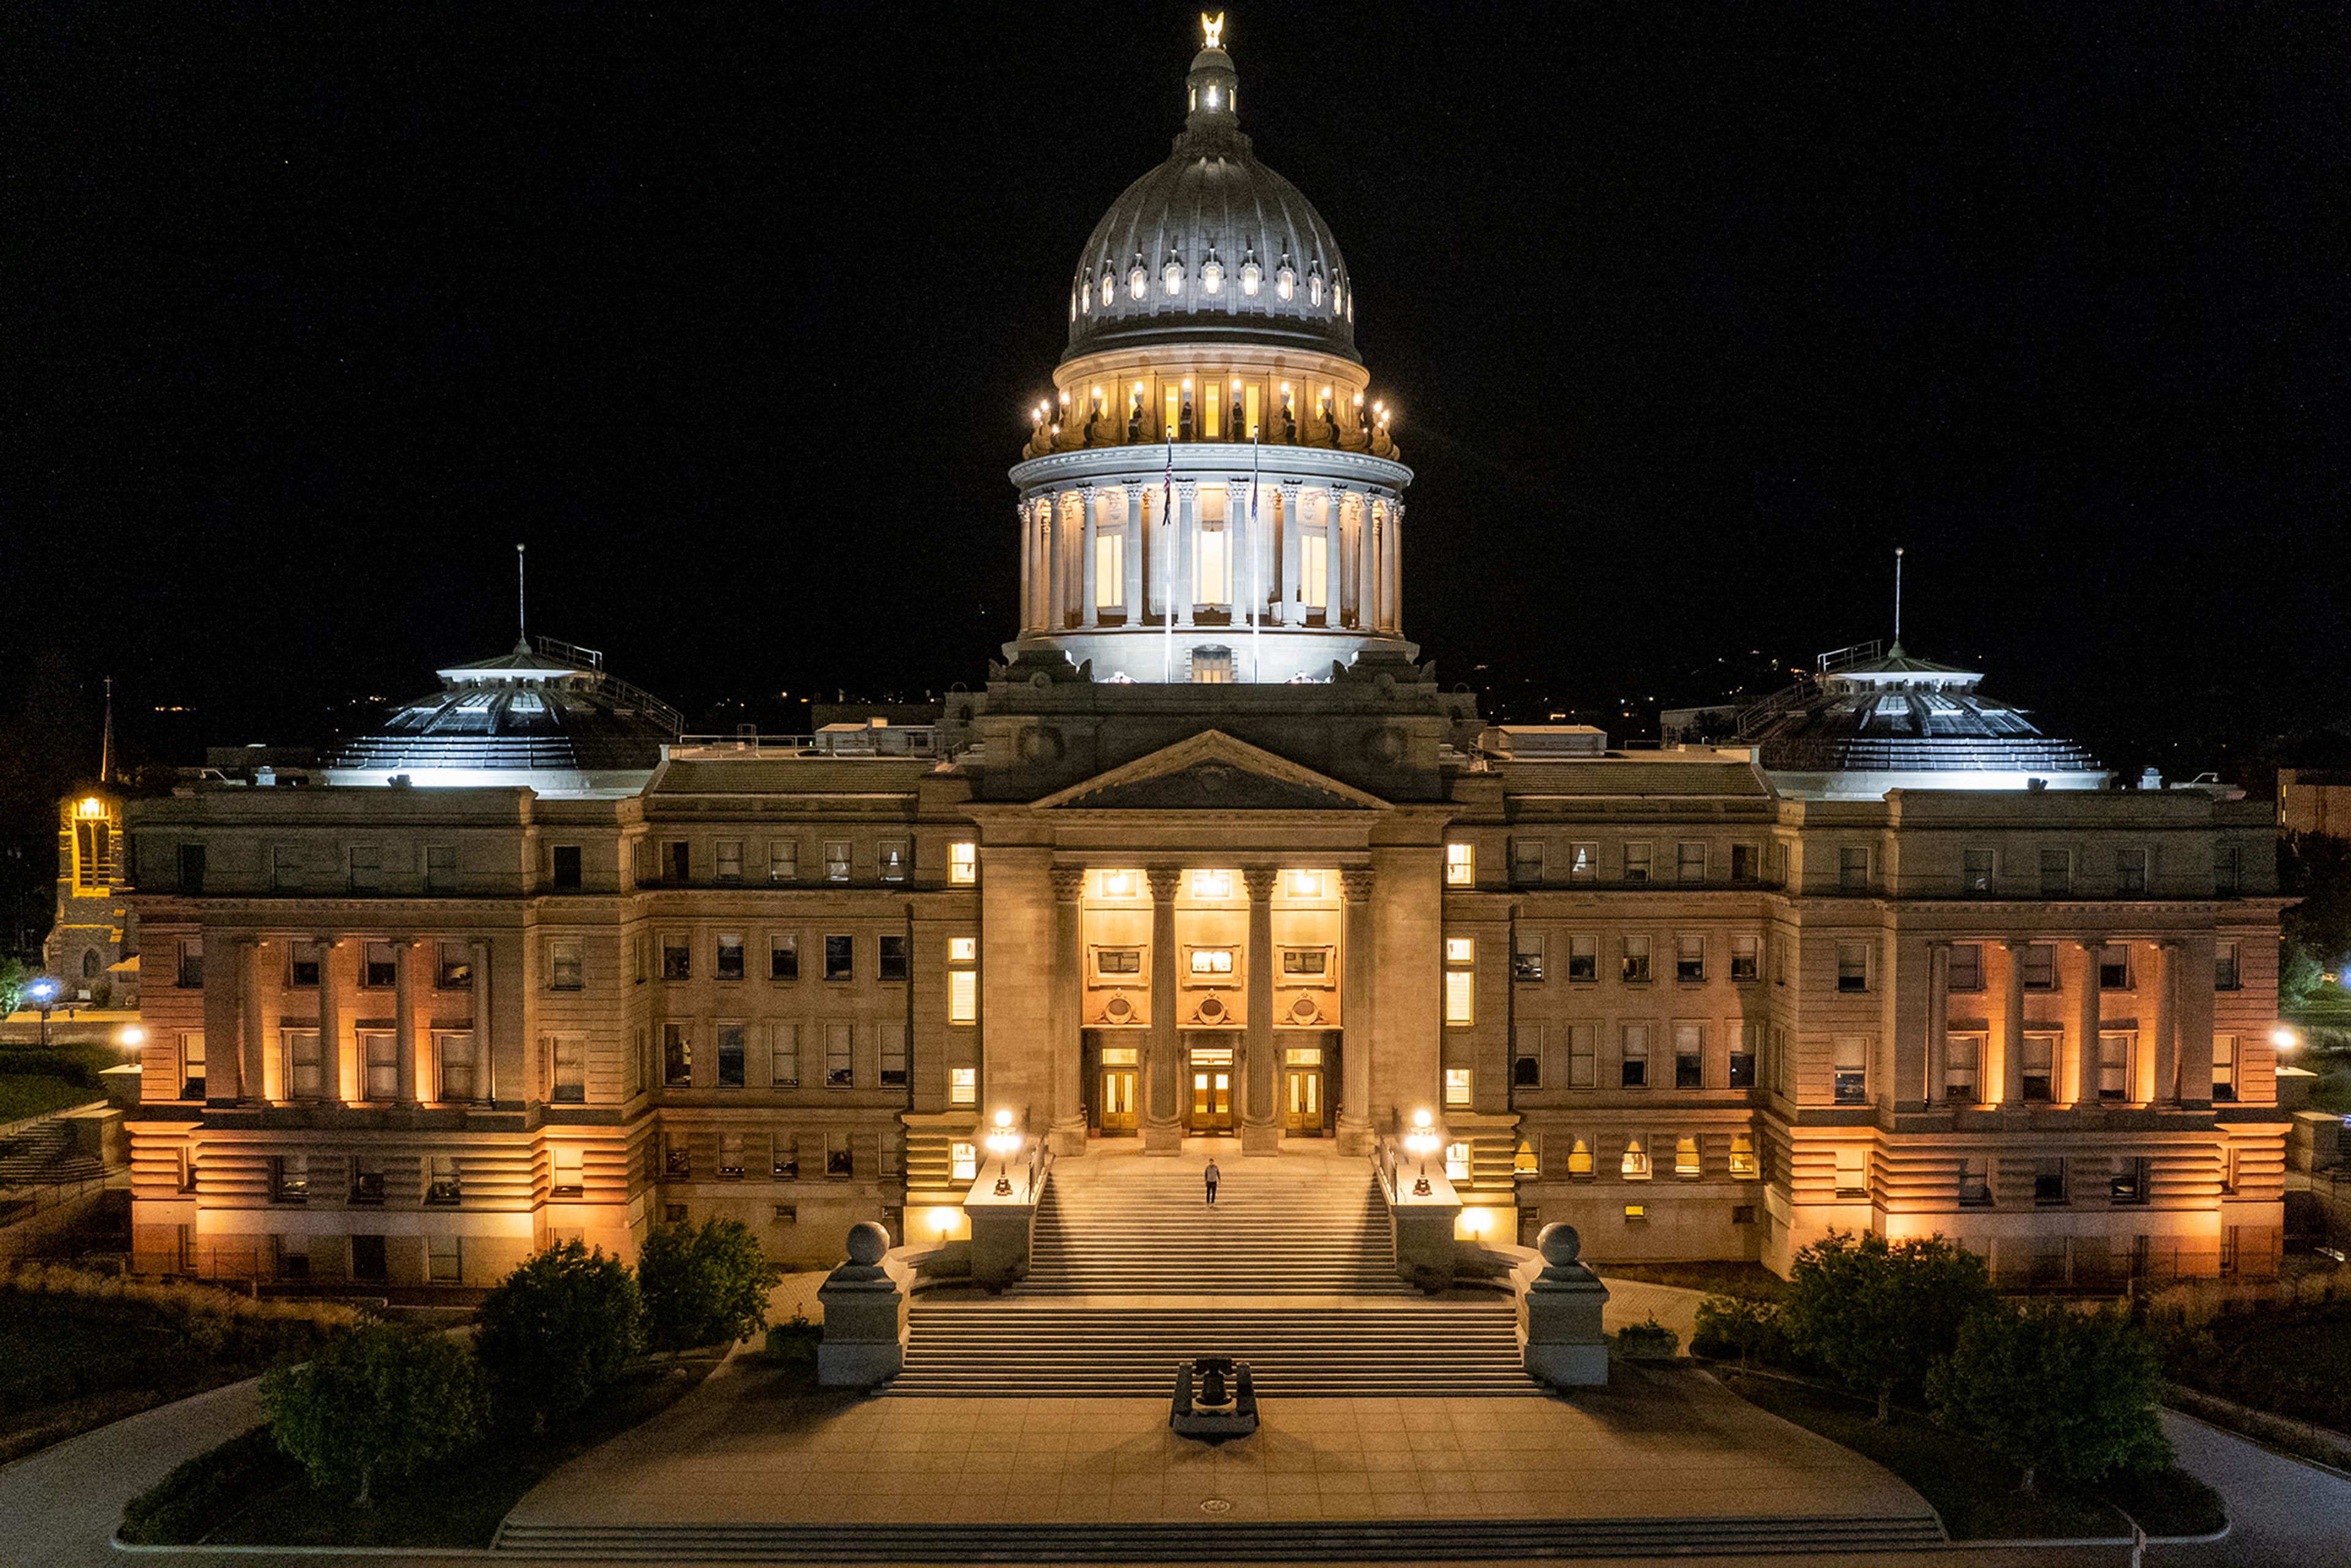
(1167, 570)
(1257, 575)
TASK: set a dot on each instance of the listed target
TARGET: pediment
(1212, 771)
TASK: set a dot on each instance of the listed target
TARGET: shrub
(181, 1508)
(703, 1287)
(795, 1344)
(555, 1331)
(382, 1402)
(2057, 1393)
(1744, 1326)
(1879, 1315)
(1650, 1340)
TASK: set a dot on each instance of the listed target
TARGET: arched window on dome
(1085, 299)
(1137, 281)
(1212, 277)
(1336, 289)
(1314, 290)
(1109, 287)
(1249, 275)
(1173, 276)
(1074, 307)
(1285, 282)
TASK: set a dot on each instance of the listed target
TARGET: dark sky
(1693, 315)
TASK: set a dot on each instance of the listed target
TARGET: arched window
(1108, 287)
(1085, 299)
(1285, 281)
(1634, 1166)
(1074, 307)
(1212, 277)
(1249, 277)
(89, 964)
(1137, 281)
(1314, 290)
(1172, 273)
(1336, 290)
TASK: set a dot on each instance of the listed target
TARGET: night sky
(1692, 315)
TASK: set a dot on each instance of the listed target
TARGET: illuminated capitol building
(1209, 857)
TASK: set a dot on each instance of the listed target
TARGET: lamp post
(1001, 1143)
(1422, 1140)
(44, 991)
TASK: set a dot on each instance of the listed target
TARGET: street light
(44, 991)
(1423, 1142)
(133, 1037)
(1001, 1143)
(2284, 1038)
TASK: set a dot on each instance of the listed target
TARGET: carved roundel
(1040, 743)
(1118, 1010)
(1385, 744)
(1212, 1010)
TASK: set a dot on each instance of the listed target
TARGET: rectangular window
(730, 1055)
(891, 958)
(1110, 569)
(1637, 862)
(1315, 569)
(444, 1259)
(2056, 873)
(1526, 861)
(1853, 965)
(302, 963)
(2224, 967)
(1690, 1056)
(454, 971)
(1743, 1056)
(2224, 1069)
(784, 1161)
(2130, 871)
(728, 857)
(2113, 968)
(367, 1179)
(1582, 1055)
(1686, 1161)
(1634, 968)
(1742, 1155)
(1300, 966)
(678, 862)
(366, 867)
(1963, 1057)
(963, 996)
(565, 861)
(289, 1178)
(379, 1065)
(1853, 868)
(2114, 1066)
(458, 1079)
(784, 1055)
(1746, 957)
(379, 965)
(963, 1085)
(840, 957)
(302, 1077)
(677, 955)
(963, 1162)
(570, 1070)
(1967, 967)
(1690, 959)
(1852, 1173)
(730, 956)
(2049, 1181)
(285, 868)
(1634, 1166)
(2131, 1180)
(440, 868)
(2040, 1071)
(1743, 863)
(783, 860)
(1579, 1160)
(1460, 865)
(1210, 963)
(568, 1175)
(678, 1055)
(1974, 1182)
(783, 956)
(892, 1037)
(564, 965)
(963, 865)
(443, 1188)
(1457, 1088)
(1635, 1040)
(1212, 885)
(2041, 965)
(191, 963)
(891, 861)
(1527, 956)
(836, 860)
(1852, 1069)
(839, 1161)
(1457, 1162)
(1211, 563)
(1975, 872)
(1583, 862)
(1690, 861)
(191, 868)
(840, 1064)
(1583, 959)
(2228, 870)
(192, 1066)
(1460, 980)
(1526, 1056)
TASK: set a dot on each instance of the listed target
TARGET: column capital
(1188, 489)
(1356, 882)
(1165, 881)
(1133, 488)
(1068, 881)
(1259, 880)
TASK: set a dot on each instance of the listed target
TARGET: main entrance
(1301, 1091)
(1116, 1099)
(1211, 1107)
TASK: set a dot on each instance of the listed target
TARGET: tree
(13, 978)
(703, 1287)
(2055, 1391)
(2314, 868)
(1746, 1326)
(379, 1402)
(556, 1330)
(1880, 1314)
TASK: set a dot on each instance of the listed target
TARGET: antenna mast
(106, 741)
(522, 618)
(1897, 596)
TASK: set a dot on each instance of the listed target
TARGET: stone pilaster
(486, 1078)
(1261, 1074)
(1939, 1026)
(1162, 1127)
(330, 1023)
(251, 1053)
(403, 1015)
(2012, 1032)
(1289, 608)
(1063, 1012)
(1134, 599)
(2078, 1077)
(1354, 1121)
(2163, 1085)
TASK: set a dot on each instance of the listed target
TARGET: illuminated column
(1162, 1130)
(331, 1023)
(1396, 568)
(1187, 517)
(251, 1058)
(1056, 616)
(1339, 590)
(2011, 1035)
(403, 1019)
(2159, 1078)
(1091, 532)
(1062, 1013)
(1938, 1018)
(486, 1078)
(2082, 1050)
(1356, 1015)
(1260, 1123)
(1287, 607)
(1376, 548)
(1028, 568)
(1136, 602)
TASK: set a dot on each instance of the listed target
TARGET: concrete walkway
(2280, 1511)
(59, 1508)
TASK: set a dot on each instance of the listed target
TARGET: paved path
(2281, 1513)
(1634, 1301)
(60, 1506)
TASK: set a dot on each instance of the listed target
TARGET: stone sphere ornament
(868, 1241)
(1560, 1245)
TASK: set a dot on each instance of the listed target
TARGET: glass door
(1118, 1081)
(1212, 1090)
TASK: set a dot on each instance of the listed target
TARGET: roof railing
(590, 658)
(1845, 658)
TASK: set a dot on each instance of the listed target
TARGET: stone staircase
(1132, 1272)
(43, 1155)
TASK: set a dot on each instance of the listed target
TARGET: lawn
(35, 1081)
(2294, 1363)
(23, 1094)
(247, 1494)
(1974, 1489)
(1715, 1279)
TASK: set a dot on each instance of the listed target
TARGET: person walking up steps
(1211, 1173)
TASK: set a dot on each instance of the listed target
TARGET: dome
(1211, 247)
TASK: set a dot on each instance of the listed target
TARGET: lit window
(1456, 1087)
(1285, 282)
(1314, 290)
(1249, 275)
(1634, 1166)
(1460, 865)
(1215, 963)
(1305, 885)
(1106, 288)
(963, 996)
(1685, 1164)
(1136, 282)
(890, 860)
(1579, 1159)
(1212, 885)
(1743, 1155)
(1460, 981)
(1212, 275)
(1173, 274)
(1527, 1161)
(1117, 885)
(965, 1162)
(1457, 1162)
(963, 949)
(2224, 1069)
(1852, 1069)
(963, 1085)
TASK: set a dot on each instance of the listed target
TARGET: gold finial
(1213, 29)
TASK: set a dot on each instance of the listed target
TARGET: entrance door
(1212, 1089)
(1302, 1114)
(1118, 1100)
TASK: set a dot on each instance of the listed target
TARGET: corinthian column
(403, 1017)
(252, 1056)
(1062, 1012)
(1261, 1117)
(2012, 1032)
(2079, 1074)
(331, 1023)
(1354, 1127)
(1162, 1127)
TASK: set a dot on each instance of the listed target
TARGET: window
(1634, 1072)
(1526, 1056)
(378, 1064)
(1210, 963)
(1851, 1065)
(784, 1055)
(964, 1162)
(1637, 862)
(563, 964)
(1636, 966)
(1583, 959)
(1457, 1088)
(677, 955)
(1746, 957)
(572, 1068)
(1582, 1055)
(963, 1086)
(783, 956)
(1742, 1055)
(379, 965)
(840, 957)
(455, 970)
(730, 956)
(1852, 1173)
(1690, 959)
(1457, 1162)
(1634, 1166)
(678, 1055)
(894, 1055)
(440, 868)
(1314, 570)
(1526, 861)
(2131, 1182)
(1853, 965)
(840, 1070)
(366, 867)
(2224, 1069)
(1966, 973)
(444, 1259)
(2056, 873)
(570, 1177)
(1460, 865)
(2224, 967)
(1686, 1162)
(963, 865)
(567, 867)
(1976, 873)
(2130, 871)
(1527, 956)
(2049, 1181)
(1963, 1057)
(2113, 968)
(677, 1156)
(730, 1055)
(836, 860)
(367, 1179)
(191, 868)
(891, 958)
(1853, 868)
(1743, 862)
(192, 1066)
(730, 1156)
(1975, 1182)
(443, 1188)
(455, 1051)
(302, 963)
(1299, 964)
(2040, 1056)
(727, 858)
(641, 950)
(677, 863)
(963, 996)
(2041, 965)
(1742, 1155)
(1690, 1056)
(1460, 981)
(289, 1178)
(302, 1076)
(192, 964)
(1583, 862)
(783, 860)
(285, 868)
(2228, 870)
(1579, 1160)
(1110, 569)
(891, 860)
(1690, 861)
